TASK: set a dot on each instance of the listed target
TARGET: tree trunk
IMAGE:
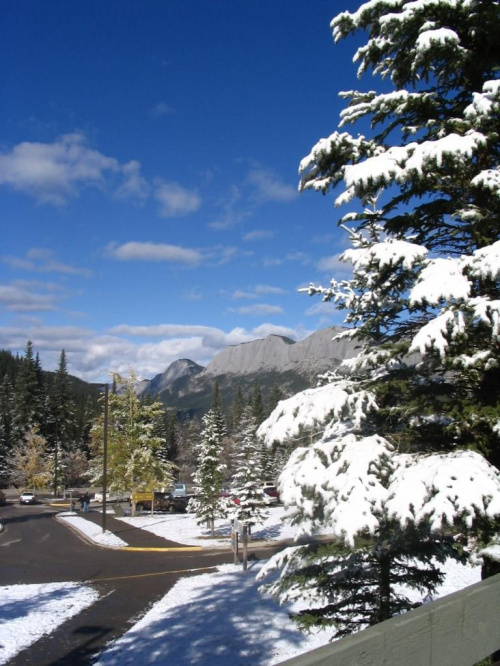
(384, 608)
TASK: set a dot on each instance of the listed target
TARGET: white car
(28, 498)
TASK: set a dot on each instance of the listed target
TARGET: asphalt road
(36, 548)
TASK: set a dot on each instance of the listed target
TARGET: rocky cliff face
(188, 387)
(315, 354)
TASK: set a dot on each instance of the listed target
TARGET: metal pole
(105, 457)
(245, 547)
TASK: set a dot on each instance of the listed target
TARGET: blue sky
(149, 158)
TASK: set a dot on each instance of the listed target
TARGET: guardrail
(457, 630)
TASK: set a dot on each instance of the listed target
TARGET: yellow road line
(163, 550)
(146, 575)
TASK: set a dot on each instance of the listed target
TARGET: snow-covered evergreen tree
(392, 516)
(210, 473)
(187, 436)
(390, 472)
(425, 231)
(247, 480)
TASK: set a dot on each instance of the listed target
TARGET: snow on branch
(441, 279)
(444, 488)
(435, 334)
(313, 407)
(391, 252)
(337, 484)
(485, 262)
(348, 485)
(428, 39)
(485, 103)
(399, 163)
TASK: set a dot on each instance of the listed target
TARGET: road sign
(142, 497)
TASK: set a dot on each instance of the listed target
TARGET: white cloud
(322, 308)
(258, 234)
(234, 210)
(93, 357)
(26, 297)
(298, 333)
(243, 295)
(43, 261)
(161, 109)
(260, 309)
(134, 185)
(136, 251)
(268, 289)
(161, 330)
(52, 172)
(268, 186)
(258, 290)
(175, 200)
(333, 264)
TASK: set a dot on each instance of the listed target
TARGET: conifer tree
(274, 397)
(248, 479)
(218, 410)
(188, 438)
(210, 474)
(28, 405)
(237, 409)
(424, 305)
(6, 443)
(61, 426)
(166, 429)
(425, 232)
(257, 403)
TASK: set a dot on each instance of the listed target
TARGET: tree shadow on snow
(224, 624)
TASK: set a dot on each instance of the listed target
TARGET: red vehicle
(272, 493)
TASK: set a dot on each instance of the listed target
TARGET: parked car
(111, 497)
(272, 493)
(162, 502)
(28, 498)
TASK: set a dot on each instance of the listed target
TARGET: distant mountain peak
(188, 386)
(181, 370)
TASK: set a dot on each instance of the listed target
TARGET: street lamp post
(104, 451)
(105, 457)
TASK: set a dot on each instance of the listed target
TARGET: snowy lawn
(182, 528)
(28, 612)
(216, 619)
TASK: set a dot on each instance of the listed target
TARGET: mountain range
(293, 366)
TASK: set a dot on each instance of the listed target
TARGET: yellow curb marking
(146, 575)
(163, 550)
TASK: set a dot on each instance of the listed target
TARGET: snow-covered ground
(28, 612)
(214, 619)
